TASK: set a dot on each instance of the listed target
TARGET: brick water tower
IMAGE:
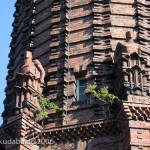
(58, 48)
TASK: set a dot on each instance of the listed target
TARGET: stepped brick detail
(73, 40)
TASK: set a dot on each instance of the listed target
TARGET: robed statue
(34, 69)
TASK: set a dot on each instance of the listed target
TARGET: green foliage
(43, 113)
(102, 93)
(46, 104)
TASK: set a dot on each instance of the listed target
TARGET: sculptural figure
(29, 80)
(130, 46)
(34, 69)
(29, 84)
(132, 77)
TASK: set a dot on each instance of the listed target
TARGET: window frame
(78, 88)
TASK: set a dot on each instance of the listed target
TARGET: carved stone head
(28, 55)
(128, 36)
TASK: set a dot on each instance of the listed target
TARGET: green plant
(102, 94)
(46, 104)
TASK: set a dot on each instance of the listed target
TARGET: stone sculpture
(126, 47)
(34, 69)
(131, 69)
(29, 83)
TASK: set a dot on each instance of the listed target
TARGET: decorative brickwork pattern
(73, 40)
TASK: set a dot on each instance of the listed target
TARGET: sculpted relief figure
(29, 82)
(132, 76)
(126, 47)
(34, 69)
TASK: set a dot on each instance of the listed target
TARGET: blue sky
(6, 18)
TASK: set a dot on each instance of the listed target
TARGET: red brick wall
(95, 29)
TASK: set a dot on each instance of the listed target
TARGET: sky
(6, 19)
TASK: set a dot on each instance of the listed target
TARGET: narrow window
(81, 89)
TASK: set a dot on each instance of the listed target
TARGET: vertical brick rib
(58, 47)
(143, 24)
(102, 46)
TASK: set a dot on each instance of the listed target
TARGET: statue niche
(29, 82)
(132, 75)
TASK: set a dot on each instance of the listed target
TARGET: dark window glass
(81, 89)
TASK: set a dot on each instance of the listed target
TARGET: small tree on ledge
(102, 94)
(46, 104)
